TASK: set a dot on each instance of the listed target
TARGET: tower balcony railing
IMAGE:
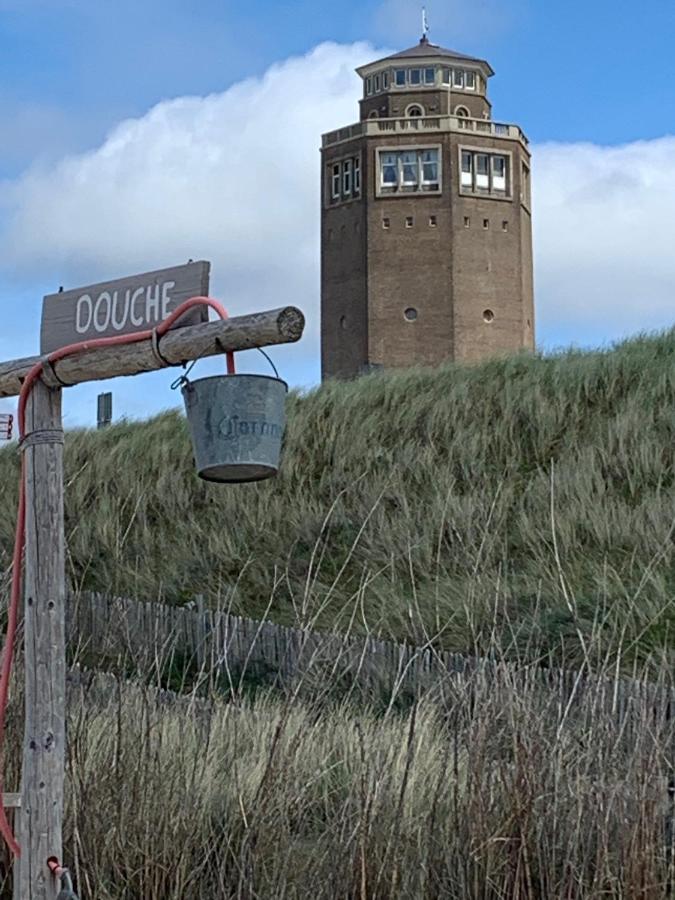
(424, 124)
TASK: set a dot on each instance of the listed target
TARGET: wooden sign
(123, 306)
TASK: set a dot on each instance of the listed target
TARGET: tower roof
(426, 50)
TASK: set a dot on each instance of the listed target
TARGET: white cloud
(234, 177)
(604, 264)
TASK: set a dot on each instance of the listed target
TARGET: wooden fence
(150, 638)
(133, 635)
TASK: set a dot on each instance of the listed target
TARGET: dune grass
(526, 499)
(495, 789)
(519, 509)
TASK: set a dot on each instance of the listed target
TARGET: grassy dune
(524, 502)
(521, 508)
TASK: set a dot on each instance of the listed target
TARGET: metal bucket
(236, 423)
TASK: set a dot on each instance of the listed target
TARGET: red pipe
(15, 595)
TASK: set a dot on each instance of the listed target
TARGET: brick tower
(426, 234)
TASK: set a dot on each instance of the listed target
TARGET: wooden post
(41, 808)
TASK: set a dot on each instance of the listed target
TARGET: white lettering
(119, 321)
(166, 287)
(134, 297)
(104, 297)
(152, 303)
(80, 326)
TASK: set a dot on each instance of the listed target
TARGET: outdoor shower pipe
(19, 539)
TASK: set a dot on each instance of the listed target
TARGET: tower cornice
(426, 53)
(427, 125)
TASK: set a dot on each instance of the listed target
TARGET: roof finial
(425, 26)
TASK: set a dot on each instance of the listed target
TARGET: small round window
(488, 315)
(410, 314)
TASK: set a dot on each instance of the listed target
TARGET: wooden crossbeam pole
(265, 329)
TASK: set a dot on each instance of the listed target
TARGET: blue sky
(591, 84)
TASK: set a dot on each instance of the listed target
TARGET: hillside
(530, 500)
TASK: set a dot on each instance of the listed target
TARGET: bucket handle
(183, 378)
(260, 350)
(269, 360)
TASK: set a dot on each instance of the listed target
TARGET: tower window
(399, 75)
(414, 110)
(485, 173)
(458, 78)
(385, 80)
(347, 177)
(430, 76)
(446, 75)
(415, 76)
(488, 316)
(462, 112)
(376, 83)
(432, 221)
(409, 168)
(335, 181)
(409, 171)
(369, 85)
(470, 81)
(505, 225)
(499, 173)
(429, 167)
(389, 170)
(467, 169)
(409, 221)
(467, 222)
(344, 180)
(386, 223)
(486, 224)
(410, 314)
(482, 171)
(343, 322)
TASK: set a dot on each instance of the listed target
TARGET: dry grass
(494, 789)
